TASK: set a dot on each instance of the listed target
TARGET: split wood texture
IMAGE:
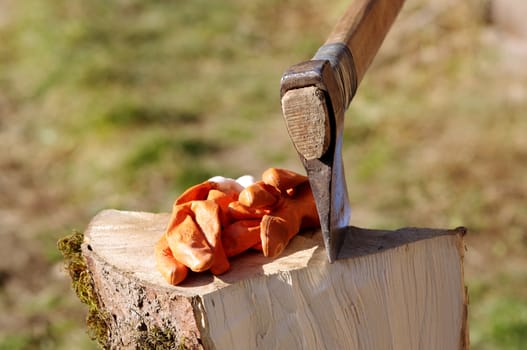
(395, 290)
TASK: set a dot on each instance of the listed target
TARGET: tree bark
(399, 289)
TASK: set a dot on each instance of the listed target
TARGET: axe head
(313, 107)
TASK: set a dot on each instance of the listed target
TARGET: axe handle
(362, 29)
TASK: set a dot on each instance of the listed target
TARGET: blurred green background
(125, 103)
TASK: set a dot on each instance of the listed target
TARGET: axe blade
(317, 131)
(328, 183)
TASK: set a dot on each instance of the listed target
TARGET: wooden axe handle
(362, 29)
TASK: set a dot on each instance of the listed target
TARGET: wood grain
(307, 121)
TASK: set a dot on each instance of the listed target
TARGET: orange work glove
(193, 236)
(284, 203)
(219, 218)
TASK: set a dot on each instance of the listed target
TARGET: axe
(315, 95)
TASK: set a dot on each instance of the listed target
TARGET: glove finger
(172, 270)
(274, 233)
(237, 211)
(223, 200)
(240, 236)
(186, 240)
(283, 179)
(220, 264)
(259, 195)
(207, 216)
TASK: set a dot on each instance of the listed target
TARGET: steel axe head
(313, 105)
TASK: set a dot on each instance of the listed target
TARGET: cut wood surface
(394, 290)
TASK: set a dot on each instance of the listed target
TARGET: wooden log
(399, 289)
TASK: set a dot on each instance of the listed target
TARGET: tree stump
(399, 289)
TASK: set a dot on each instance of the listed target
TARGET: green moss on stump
(97, 319)
(82, 283)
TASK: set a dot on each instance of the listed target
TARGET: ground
(124, 104)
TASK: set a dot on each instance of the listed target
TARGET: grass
(125, 104)
(501, 316)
